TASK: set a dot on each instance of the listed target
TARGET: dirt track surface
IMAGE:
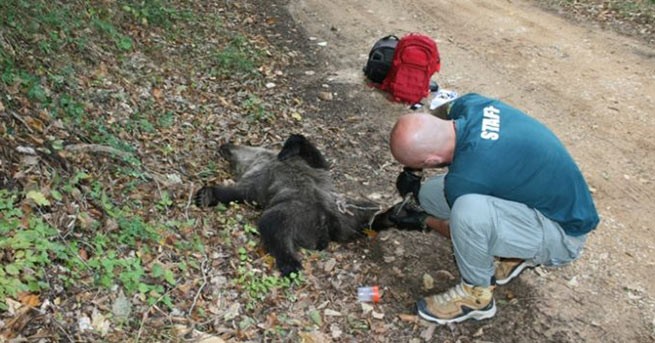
(595, 89)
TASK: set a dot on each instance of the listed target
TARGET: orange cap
(376, 294)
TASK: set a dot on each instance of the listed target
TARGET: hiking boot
(458, 304)
(508, 269)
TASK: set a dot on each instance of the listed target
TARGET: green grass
(256, 108)
(257, 284)
(238, 56)
(159, 13)
(30, 245)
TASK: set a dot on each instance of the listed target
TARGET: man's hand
(410, 220)
(409, 181)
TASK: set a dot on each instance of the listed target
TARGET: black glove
(409, 181)
(410, 220)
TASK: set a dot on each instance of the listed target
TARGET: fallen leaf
(326, 96)
(13, 306)
(122, 307)
(480, 332)
(29, 299)
(85, 220)
(329, 265)
(181, 330)
(335, 331)
(170, 240)
(156, 93)
(377, 315)
(315, 316)
(14, 326)
(83, 254)
(313, 337)
(332, 313)
(428, 281)
(211, 339)
(186, 287)
(232, 312)
(428, 332)
(410, 318)
(366, 308)
(101, 71)
(370, 233)
(84, 324)
(99, 323)
(444, 274)
(35, 124)
(38, 198)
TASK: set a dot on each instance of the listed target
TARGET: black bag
(379, 59)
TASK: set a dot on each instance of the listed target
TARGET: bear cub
(301, 207)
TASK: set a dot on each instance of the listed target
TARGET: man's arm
(420, 221)
(438, 225)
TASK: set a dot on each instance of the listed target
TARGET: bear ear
(298, 145)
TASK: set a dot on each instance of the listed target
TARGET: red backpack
(415, 60)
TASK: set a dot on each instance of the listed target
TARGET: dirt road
(595, 89)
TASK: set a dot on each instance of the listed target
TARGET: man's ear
(432, 162)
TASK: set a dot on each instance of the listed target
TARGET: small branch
(61, 327)
(97, 148)
(204, 283)
(188, 204)
(144, 317)
(20, 119)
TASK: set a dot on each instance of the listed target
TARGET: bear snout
(225, 150)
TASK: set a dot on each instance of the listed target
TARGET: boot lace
(457, 292)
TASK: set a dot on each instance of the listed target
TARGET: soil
(594, 88)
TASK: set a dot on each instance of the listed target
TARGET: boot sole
(475, 314)
(516, 272)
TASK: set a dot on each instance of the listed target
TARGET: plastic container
(441, 97)
(368, 294)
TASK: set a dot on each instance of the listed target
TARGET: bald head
(421, 140)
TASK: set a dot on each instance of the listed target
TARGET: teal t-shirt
(505, 153)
